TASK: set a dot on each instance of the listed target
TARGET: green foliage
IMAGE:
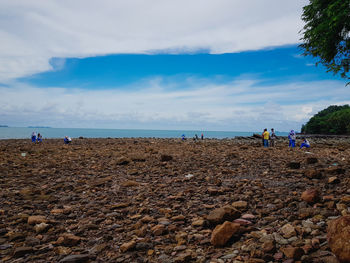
(333, 120)
(327, 34)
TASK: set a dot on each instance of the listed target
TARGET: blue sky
(159, 65)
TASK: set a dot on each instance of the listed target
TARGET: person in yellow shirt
(266, 137)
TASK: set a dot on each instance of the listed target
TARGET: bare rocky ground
(159, 200)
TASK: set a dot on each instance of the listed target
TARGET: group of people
(270, 137)
(37, 139)
(195, 138)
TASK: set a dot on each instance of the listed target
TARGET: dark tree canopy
(326, 34)
(333, 120)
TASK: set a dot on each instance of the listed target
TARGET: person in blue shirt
(33, 136)
(292, 138)
(40, 138)
(67, 140)
(305, 144)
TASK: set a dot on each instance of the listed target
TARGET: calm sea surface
(22, 133)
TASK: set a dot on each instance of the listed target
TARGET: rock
(294, 165)
(293, 252)
(123, 161)
(165, 158)
(21, 251)
(198, 223)
(313, 174)
(222, 233)
(310, 195)
(333, 180)
(242, 222)
(158, 230)
(338, 236)
(183, 257)
(62, 250)
(288, 231)
(33, 220)
(75, 258)
(130, 183)
(39, 228)
(248, 216)
(222, 214)
(240, 204)
(311, 160)
(68, 239)
(127, 246)
(268, 246)
(345, 199)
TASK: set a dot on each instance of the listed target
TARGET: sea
(25, 132)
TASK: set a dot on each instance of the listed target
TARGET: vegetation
(326, 34)
(333, 120)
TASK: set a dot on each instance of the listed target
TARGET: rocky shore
(164, 200)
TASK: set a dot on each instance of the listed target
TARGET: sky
(226, 65)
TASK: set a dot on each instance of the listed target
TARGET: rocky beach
(167, 200)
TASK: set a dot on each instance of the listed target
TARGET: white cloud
(241, 105)
(33, 31)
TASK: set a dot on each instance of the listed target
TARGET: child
(305, 144)
(40, 138)
(292, 138)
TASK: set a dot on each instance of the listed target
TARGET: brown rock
(345, 199)
(165, 158)
(42, 227)
(338, 236)
(311, 160)
(333, 180)
(127, 246)
(198, 223)
(222, 214)
(293, 252)
(288, 231)
(33, 220)
(158, 230)
(313, 174)
(240, 204)
(68, 239)
(268, 246)
(222, 233)
(310, 195)
(21, 251)
(130, 183)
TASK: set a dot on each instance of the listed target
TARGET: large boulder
(338, 236)
(222, 233)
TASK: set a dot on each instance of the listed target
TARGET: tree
(326, 34)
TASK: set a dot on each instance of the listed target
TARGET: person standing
(34, 136)
(272, 137)
(266, 137)
(292, 138)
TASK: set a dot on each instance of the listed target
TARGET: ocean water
(23, 133)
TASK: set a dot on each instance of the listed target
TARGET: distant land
(4, 126)
(38, 127)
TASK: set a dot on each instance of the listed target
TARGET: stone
(310, 195)
(127, 246)
(333, 180)
(62, 250)
(338, 236)
(158, 230)
(294, 165)
(288, 231)
(240, 204)
(311, 160)
(21, 251)
(198, 223)
(123, 161)
(313, 174)
(165, 158)
(68, 239)
(42, 227)
(75, 258)
(33, 220)
(268, 246)
(222, 233)
(219, 215)
(345, 199)
(293, 252)
(130, 183)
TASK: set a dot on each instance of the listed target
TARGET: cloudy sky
(208, 65)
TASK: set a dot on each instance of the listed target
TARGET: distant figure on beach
(183, 137)
(292, 138)
(33, 136)
(305, 143)
(202, 136)
(272, 137)
(40, 138)
(67, 140)
(195, 138)
(266, 137)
